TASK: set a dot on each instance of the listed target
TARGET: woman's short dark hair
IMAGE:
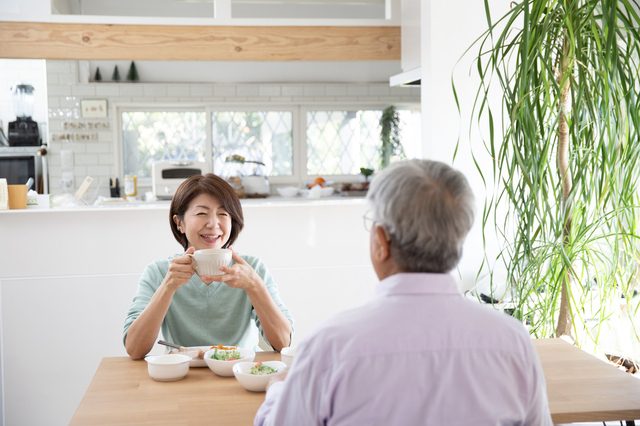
(218, 188)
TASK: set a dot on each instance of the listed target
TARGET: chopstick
(171, 345)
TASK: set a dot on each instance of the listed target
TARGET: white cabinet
(67, 278)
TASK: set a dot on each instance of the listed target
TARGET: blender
(23, 131)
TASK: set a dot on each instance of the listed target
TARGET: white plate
(195, 362)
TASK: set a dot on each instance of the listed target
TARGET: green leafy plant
(366, 173)
(566, 168)
(390, 136)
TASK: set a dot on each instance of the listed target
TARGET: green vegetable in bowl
(262, 370)
(226, 355)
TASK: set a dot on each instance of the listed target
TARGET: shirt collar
(417, 283)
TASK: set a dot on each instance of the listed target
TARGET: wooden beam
(39, 40)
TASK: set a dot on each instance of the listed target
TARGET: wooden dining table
(583, 388)
(580, 388)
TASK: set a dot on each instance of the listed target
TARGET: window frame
(241, 107)
(146, 182)
(299, 129)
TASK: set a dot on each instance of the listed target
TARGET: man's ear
(382, 249)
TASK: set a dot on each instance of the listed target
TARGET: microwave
(19, 163)
(166, 176)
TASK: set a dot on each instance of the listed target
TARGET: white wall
(452, 27)
(27, 71)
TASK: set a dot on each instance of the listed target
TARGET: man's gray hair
(427, 208)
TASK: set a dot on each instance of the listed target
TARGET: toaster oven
(166, 176)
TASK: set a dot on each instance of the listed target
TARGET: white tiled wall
(96, 157)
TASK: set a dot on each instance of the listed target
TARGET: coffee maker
(23, 131)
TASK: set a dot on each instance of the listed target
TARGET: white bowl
(288, 191)
(254, 383)
(326, 191)
(224, 368)
(287, 355)
(168, 367)
(195, 361)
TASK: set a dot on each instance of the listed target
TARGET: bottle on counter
(130, 185)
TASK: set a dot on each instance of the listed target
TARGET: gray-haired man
(418, 353)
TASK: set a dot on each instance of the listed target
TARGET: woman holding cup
(195, 310)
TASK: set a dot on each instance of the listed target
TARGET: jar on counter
(130, 185)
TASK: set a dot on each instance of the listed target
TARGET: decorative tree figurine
(116, 74)
(132, 75)
(98, 76)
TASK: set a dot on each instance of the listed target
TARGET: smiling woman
(193, 310)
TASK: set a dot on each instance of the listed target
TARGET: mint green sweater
(201, 315)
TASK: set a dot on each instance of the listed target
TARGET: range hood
(410, 78)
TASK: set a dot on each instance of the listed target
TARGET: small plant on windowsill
(366, 173)
(240, 159)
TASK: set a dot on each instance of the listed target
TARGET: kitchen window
(295, 143)
(340, 142)
(149, 136)
(263, 136)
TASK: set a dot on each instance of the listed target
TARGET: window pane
(151, 136)
(265, 136)
(340, 142)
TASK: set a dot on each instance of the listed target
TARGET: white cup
(209, 261)
(287, 354)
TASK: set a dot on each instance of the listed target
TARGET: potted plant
(365, 173)
(390, 136)
(566, 167)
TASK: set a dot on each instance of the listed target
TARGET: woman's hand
(180, 271)
(241, 275)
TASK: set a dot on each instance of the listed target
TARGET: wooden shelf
(41, 40)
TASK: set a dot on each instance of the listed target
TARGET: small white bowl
(287, 355)
(252, 382)
(288, 191)
(168, 367)
(224, 368)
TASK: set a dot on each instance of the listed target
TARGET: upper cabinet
(235, 9)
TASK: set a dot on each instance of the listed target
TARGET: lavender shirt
(417, 354)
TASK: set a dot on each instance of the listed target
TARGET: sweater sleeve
(272, 287)
(149, 282)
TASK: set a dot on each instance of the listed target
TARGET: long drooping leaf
(580, 247)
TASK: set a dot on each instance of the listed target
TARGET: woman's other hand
(180, 270)
(241, 275)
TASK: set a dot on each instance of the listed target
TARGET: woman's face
(206, 223)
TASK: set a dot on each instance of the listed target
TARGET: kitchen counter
(70, 274)
(270, 201)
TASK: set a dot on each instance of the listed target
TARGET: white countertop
(271, 201)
